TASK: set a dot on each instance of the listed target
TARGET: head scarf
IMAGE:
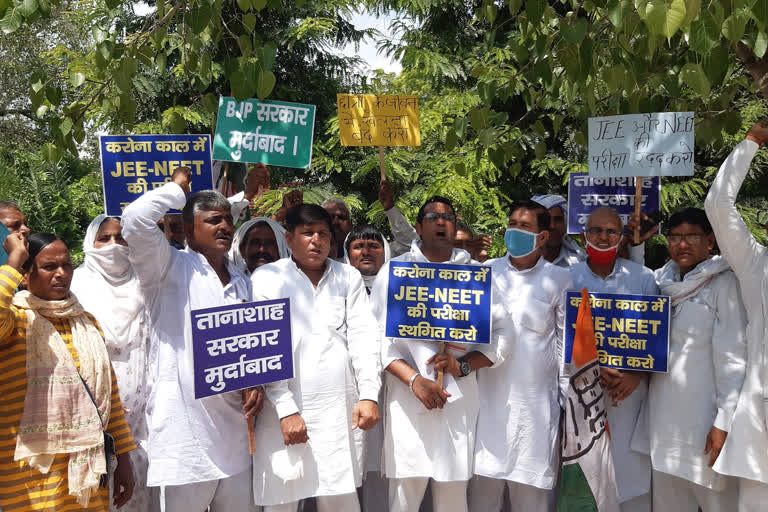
(368, 280)
(242, 232)
(550, 201)
(109, 289)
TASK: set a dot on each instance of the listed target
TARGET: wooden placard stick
(381, 164)
(251, 436)
(638, 205)
(440, 372)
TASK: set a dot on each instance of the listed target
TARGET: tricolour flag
(587, 481)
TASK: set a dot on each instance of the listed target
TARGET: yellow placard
(373, 120)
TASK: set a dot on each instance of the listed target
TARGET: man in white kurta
(198, 449)
(337, 375)
(691, 406)
(427, 434)
(561, 249)
(517, 427)
(604, 272)
(745, 453)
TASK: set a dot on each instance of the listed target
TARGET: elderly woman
(60, 409)
(107, 287)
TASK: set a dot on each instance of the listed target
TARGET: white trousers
(640, 504)
(753, 495)
(680, 495)
(338, 503)
(233, 494)
(405, 495)
(487, 495)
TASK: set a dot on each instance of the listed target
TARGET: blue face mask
(519, 243)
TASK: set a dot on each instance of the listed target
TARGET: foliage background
(505, 89)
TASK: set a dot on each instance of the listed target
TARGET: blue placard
(133, 164)
(586, 194)
(631, 331)
(439, 301)
(241, 345)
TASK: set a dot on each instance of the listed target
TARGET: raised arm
(15, 246)
(150, 252)
(402, 230)
(736, 242)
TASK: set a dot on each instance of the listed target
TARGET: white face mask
(111, 261)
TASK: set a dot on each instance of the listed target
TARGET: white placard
(659, 144)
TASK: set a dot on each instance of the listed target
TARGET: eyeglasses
(690, 239)
(432, 216)
(596, 231)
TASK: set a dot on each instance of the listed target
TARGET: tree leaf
(692, 8)
(160, 62)
(249, 20)
(268, 53)
(53, 94)
(450, 140)
(65, 126)
(244, 5)
(514, 6)
(734, 25)
(112, 4)
(51, 153)
(210, 102)
(617, 11)
(761, 44)
(199, 18)
(265, 83)
(534, 9)
(11, 21)
(693, 76)
(663, 17)
(575, 31)
(460, 126)
(259, 4)
(28, 8)
(540, 149)
(77, 79)
(760, 14)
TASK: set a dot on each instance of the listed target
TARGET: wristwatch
(464, 368)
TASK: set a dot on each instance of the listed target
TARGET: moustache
(261, 256)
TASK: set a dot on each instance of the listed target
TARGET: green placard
(271, 132)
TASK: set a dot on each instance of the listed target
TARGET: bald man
(625, 391)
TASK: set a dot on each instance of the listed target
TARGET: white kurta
(336, 364)
(632, 466)
(745, 453)
(520, 398)
(189, 440)
(122, 316)
(707, 364)
(418, 442)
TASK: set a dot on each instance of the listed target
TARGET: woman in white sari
(107, 287)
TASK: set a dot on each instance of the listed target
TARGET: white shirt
(707, 364)
(520, 398)
(437, 443)
(335, 350)
(629, 429)
(745, 453)
(570, 253)
(189, 440)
